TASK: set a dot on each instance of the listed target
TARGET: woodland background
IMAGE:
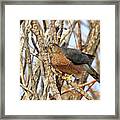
(38, 79)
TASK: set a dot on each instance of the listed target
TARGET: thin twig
(26, 88)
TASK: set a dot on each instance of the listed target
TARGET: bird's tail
(92, 72)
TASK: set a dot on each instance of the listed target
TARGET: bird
(71, 61)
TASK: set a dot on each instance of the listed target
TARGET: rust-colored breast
(61, 63)
(59, 59)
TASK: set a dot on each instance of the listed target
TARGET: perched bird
(72, 61)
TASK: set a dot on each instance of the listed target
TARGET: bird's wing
(77, 57)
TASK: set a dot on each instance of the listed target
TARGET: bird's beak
(48, 49)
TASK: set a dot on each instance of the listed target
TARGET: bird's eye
(50, 49)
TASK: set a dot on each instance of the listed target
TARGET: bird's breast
(59, 59)
(61, 63)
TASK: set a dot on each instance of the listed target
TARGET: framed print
(60, 59)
